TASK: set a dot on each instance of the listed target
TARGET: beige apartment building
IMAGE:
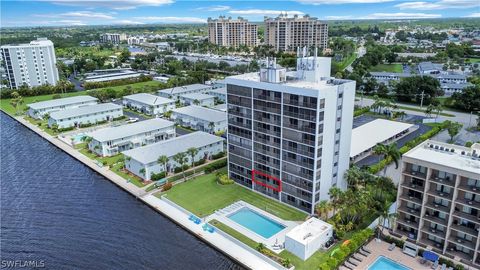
(289, 33)
(230, 32)
(438, 201)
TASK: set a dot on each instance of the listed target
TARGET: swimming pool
(256, 222)
(383, 263)
(77, 138)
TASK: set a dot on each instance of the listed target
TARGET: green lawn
(8, 108)
(387, 68)
(202, 196)
(422, 110)
(109, 160)
(249, 242)
(347, 61)
(472, 60)
(130, 178)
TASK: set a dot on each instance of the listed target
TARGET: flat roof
(149, 99)
(150, 153)
(85, 110)
(60, 102)
(462, 158)
(309, 230)
(221, 91)
(198, 96)
(183, 89)
(203, 113)
(123, 131)
(220, 107)
(368, 135)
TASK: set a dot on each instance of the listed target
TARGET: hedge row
(407, 147)
(339, 255)
(215, 165)
(361, 111)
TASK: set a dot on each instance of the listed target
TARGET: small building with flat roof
(148, 103)
(365, 137)
(199, 99)
(308, 237)
(39, 109)
(200, 118)
(220, 94)
(92, 114)
(176, 92)
(113, 140)
(220, 107)
(143, 161)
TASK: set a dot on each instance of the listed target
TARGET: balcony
(409, 210)
(463, 242)
(437, 247)
(443, 181)
(436, 232)
(464, 229)
(435, 219)
(451, 250)
(469, 188)
(440, 194)
(431, 204)
(413, 223)
(470, 203)
(412, 185)
(469, 217)
(417, 174)
(411, 198)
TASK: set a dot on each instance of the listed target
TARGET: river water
(57, 212)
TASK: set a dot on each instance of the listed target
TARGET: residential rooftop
(368, 135)
(149, 99)
(128, 130)
(150, 153)
(448, 155)
(309, 230)
(198, 96)
(60, 102)
(184, 89)
(85, 110)
(221, 90)
(220, 107)
(203, 113)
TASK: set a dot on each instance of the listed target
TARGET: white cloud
(264, 12)
(171, 19)
(214, 8)
(387, 16)
(68, 22)
(127, 22)
(337, 2)
(473, 15)
(113, 4)
(442, 4)
(77, 14)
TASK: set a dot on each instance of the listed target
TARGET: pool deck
(381, 249)
(278, 238)
(243, 255)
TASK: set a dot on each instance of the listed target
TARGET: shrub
(361, 111)
(157, 176)
(200, 162)
(215, 166)
(167, 186)
(119, 118)
(219, 155)
(179, 169)
(224, 180)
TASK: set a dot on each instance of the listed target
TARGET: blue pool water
(256, 223)
(383, 263)
(78, 137)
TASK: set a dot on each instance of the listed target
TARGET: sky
(15, 13)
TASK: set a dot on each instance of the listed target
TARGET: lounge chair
(366, 250)
(444, 267)
(450, 268)
(362, 252)
(435, 265)
(391, 247)
(350, 265)
(347, 266)
(352, 261)
(356, 257)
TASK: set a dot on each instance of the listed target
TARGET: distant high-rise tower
(229, 32)
(287, 33)
(289, 132)
(31, 64)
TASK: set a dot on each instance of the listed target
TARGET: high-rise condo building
(438, 201)
(288, 33)
(32, 64)
(230, 32)
(113, 38)
(289, 131)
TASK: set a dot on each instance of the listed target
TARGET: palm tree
(401, 114)
(211, 126)
(322, 209)
(126, 158)
(384, 216)
(354, 177)
(192, 151)
(163, 161)
(379, 150)
(181, 158)
(392, 152)
(335, 194)
(196, 102)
